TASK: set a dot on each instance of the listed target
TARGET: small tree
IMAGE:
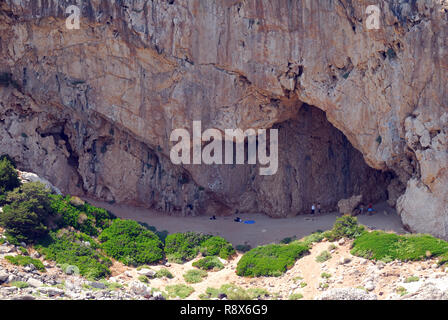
(9, 179)
(26, 217)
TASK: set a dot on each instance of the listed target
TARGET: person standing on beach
(313, 208)
(370, 209)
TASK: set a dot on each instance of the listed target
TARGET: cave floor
(265, 230)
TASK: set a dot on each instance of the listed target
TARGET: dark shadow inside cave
(317, 164)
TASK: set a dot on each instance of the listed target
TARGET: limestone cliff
(92, 109)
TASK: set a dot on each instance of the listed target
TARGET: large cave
(317, 164)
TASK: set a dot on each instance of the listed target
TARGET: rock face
(91, 110)
(346, 206)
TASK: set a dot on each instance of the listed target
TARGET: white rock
(35, 283)
(369, 286)
(147, 272)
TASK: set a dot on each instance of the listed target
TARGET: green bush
(143, 279)
(67, 248)
(345, 227)
(209, 263)
(217, 246)
(25, 261)
(164, 273)
(27, 216)
(9, 179)
(182, 247)
(296, 296)
(323, 256)
(130, 243)
(412, 279)
(161, 234)
(379, 245)
(194, 276)
(80, 215)
(179, 290)
(313, 238)
(270, 260)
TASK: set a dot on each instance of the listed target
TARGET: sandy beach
(265, 229)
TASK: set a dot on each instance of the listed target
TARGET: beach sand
(265, 230)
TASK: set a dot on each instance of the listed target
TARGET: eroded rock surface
(91, 110)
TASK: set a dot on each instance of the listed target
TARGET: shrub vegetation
(80, 215)
(130, 243)
(9, 179)
(182, 247)
(194, 276)
(270, 260)
(345, 227)
(164, 273)
(217, 246)
(179, 290)
(26, 261)
(67, 247)
(27, 216)
(209, 263)
(379, 245)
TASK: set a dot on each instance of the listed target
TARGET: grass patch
(401, 291)
(209, 263)
(231, 291)
(296, 296)
(270, 260)
(325, 275)
(179, 290)
(143, 279)
(315, 237)
(25, 261)
(412, 279)
(195, 276)
(20, 284)
(323, 256)
(379, 245)
(164, 273)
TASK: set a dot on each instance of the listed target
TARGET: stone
(139, 288)
(344, 260)
(346, 294)
(3, 276)
(51, 291)
(97, 285)
(369, 286)
(35, 283)
(147, 272)
(346, 206)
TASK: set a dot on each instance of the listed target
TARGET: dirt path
(265, 230)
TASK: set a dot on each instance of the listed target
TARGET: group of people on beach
(360, 210)
(316, 208)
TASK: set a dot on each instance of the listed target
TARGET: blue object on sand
(249, 222)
